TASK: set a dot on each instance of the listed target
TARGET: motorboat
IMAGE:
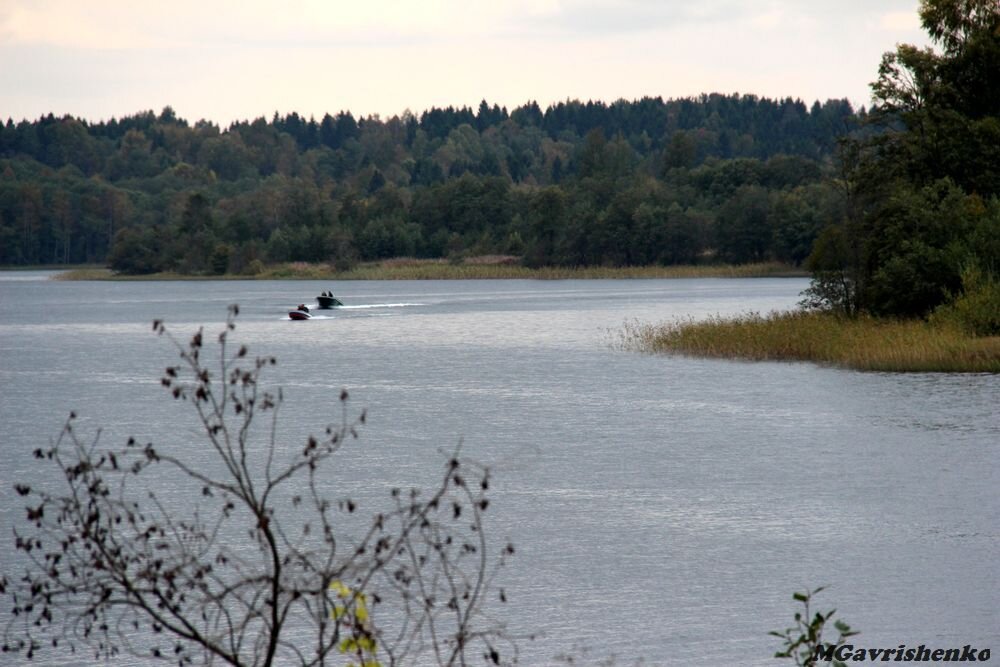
(328, 301)
(300, 313)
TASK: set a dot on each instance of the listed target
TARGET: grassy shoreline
(470, 269)
(866, 344)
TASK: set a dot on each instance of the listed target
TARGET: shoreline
(472, 269)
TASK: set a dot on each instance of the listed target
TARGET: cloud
(270, 24)
(44, 24)
(899, 21)
(768, 20)
(596, 17)
(126, 24)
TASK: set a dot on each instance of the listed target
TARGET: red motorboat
(300, 313)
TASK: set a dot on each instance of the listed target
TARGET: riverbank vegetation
(908, 277)
(862, 343)
(473, 268)
(921, 219)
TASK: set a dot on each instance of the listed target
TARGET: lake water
(663, 508)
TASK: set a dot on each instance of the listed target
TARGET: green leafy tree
(545, 220)
(915, 197)
(685, 232)
(742, 231)
(135, 251)
(797, 217)
(196, 242)
(681, 152)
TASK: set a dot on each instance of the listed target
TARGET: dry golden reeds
(472, 268)
(862, 343)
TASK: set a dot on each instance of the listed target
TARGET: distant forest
(718, 178)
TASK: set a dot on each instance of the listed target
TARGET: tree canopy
(922, 220)
(153, 192)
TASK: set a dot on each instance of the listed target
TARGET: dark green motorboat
(328, 301)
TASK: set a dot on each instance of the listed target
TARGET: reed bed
(473, 268)
(86, 273)
(478, 269)
(864, 343)
(108, 274)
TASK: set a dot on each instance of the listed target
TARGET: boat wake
(369, 306)
(317, 314)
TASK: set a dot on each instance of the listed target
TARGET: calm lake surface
(663, 508)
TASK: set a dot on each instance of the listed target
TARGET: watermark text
(902, 653)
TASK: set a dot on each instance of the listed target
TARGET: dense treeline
(721, 177)
(922, 225)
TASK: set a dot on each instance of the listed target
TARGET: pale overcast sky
(239, 59)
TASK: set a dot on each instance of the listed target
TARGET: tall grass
(864, 343)
(87, 273)
(469, 269)
(107, 274)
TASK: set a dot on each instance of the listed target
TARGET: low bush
(977, 308)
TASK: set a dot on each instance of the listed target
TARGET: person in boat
(303, 307)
